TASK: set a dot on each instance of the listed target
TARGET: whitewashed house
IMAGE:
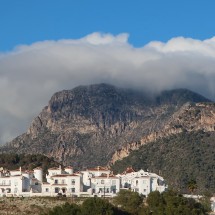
(97, 181)
(18, 181)
(105, 185)
(141, 181)
(63, 182)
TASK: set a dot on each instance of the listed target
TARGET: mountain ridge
(204, 115)
(86, 125)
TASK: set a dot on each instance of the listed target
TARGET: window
(73, 190)
(102, 181)
(136, 182)
(56, 189)
(63, 181)
(107, 191)
(144, 190)
(3, 182)
(47, 190)
(56, 181)
(73, 181)
(113, 182)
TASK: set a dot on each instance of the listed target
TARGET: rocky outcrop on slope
(190, 117)
(87, 125)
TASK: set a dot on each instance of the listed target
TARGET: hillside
(189, 117)
(86, 126)
(27, 162)
(178, 158)
(32, 205)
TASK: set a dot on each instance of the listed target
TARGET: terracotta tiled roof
(77, 172)
(128, 170)
(64, 175)
(99, 168)
(71, 175)
(59, 185)
(106, 176)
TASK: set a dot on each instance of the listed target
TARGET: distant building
(98, 181)
(141, 181)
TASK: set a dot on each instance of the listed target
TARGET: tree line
(131, 203)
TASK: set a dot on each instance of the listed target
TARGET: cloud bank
(29, 75)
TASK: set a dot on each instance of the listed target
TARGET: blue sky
(50, 45)
(28, 21)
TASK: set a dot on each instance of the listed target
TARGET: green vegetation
(91, 206)
(192, 186)
(130, 203)
(26, 161)
(98, 206)
(66, 209)
(180, 159)
(170, 203)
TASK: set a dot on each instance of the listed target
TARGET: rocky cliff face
(87, 125)
(190, 117)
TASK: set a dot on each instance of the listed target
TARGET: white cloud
(29, 75)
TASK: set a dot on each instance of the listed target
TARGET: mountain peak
(87, 124)
(180, 96)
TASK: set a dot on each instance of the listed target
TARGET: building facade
(141, 181)
(91, 182)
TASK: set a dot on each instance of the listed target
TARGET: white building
(97, 181)
(141, 181)
(18, 181)
(63, 182)
(105, 185)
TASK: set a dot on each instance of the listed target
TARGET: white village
(98, 181)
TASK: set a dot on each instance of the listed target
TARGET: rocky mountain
(91, 125)
(189, 117)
